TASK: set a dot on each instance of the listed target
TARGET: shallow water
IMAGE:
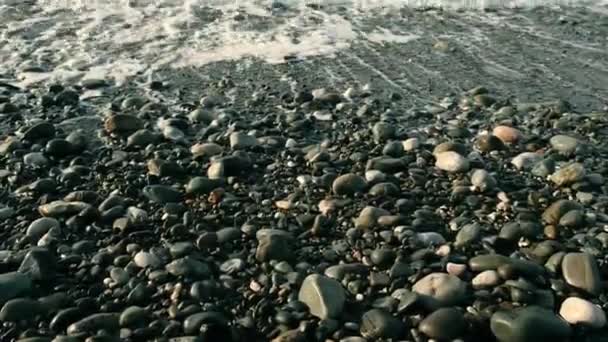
(514, 45)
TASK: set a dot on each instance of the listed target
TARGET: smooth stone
(240, 140)
(411, 144)
(41, 226)
(142, 138)
(564, 144)
(132, 316)
(526, 160)
(444, 324)
(555, 211)
(487, 262)
(202, 185)
(468, 235)
(62, 208)
(14, 284)
(529, 324)
(384, 189)
(451, 161)
(368, 217)
(35, 159)
(508, 135)
(95, 322)
(485, 279)
(146, 259)
(349, 184)
(573, 218)
(488, 143)
(579, 311)
(324, 296)
(39, 264)
(383, 131)
(430, 239)
(445, 289)
(188, 267)
(568, 174)
(41, 130)
(483, 180)
(580, 270)
(206, 150)
(377, 324)
(20, 309)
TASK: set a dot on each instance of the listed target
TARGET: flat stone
(580, 270)
(443, 288)
(529, 324)
(444, 324)
(188, 267)
(324, 296)
(579, 311)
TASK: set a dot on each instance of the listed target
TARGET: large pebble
(378, 324)
(526, 160)
(508, 135)
(324, 296)
(564, 144)
(451, 161)
(568, 174)
(445, 324)
(443, 288)
(530, 324)
(580, 270)
(579, 311)
(349, 184)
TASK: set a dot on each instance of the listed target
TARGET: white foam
(116, 39)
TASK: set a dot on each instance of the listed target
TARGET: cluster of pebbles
(318, 216)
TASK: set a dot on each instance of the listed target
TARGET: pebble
(580, 270)
(444, 289)
(240, 140)
(95, 322)
(349, 184)
(508, 135)
(486, 279)
(529, 324)
(145, 259)
(568, 174)
(451, 161)
(444, 324)
(324, 296)
(20, 309)
(580, 311)
(564, 144)
(411, 144)
(162, 194)
(377, 324)
(483, 180)
(526, 160)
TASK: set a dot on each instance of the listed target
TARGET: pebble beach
(445, 182)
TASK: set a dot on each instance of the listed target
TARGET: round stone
(564, 144)
(324, 296)
(349, 184)
(508, 135)
(444, 324)
(451, 161)
(443, 288)
(579, 311)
